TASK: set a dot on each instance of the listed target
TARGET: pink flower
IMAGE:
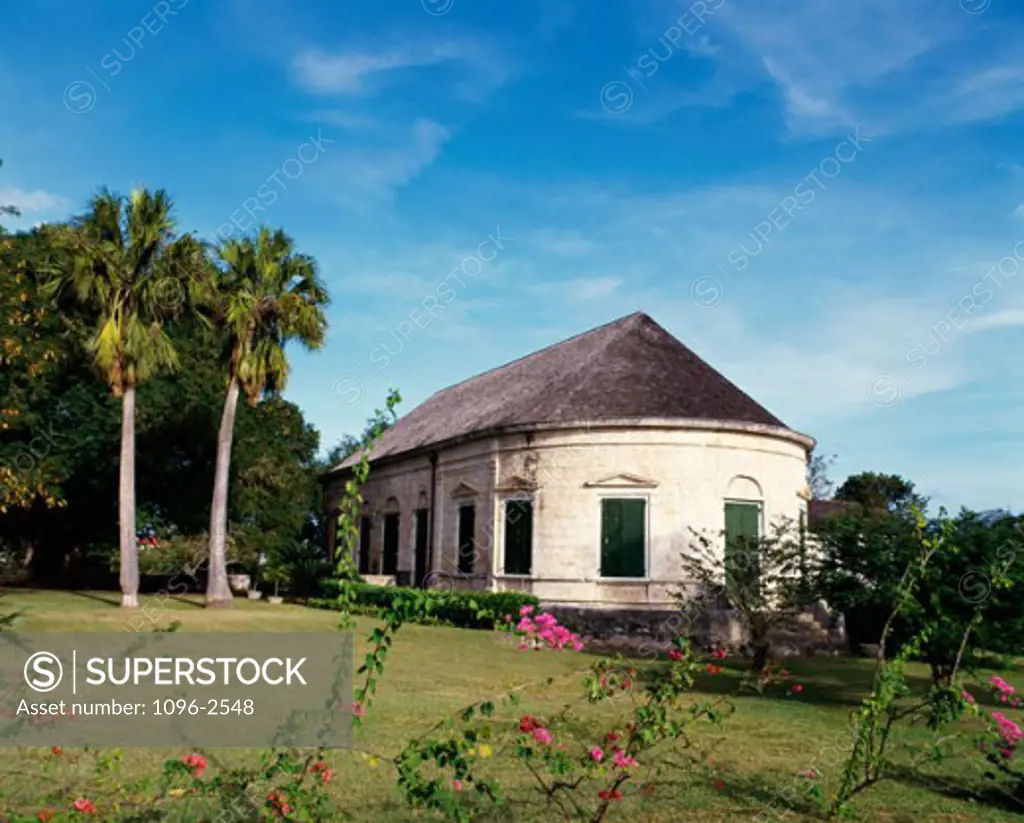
(542, 736)
(718, 654)
(810, 773)
(1010, 731)
(1001, 684)
(525, 610)
(968, 698)
(576, 645)
(358, 709)
(596, 754)
(457, 785)
(623, 760)
(797, 688)
(84, 806)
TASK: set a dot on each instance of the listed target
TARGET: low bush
(469, 610)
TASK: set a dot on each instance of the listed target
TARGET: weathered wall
(686, 474)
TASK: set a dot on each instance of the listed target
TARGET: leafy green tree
(31, 350)
(879, 494)
(266, 295)
(973, 588)
(126, 266)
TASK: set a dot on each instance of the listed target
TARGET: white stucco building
(576, 472)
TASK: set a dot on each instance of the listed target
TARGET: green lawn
(433, 671)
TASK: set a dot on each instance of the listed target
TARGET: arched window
(744, 511)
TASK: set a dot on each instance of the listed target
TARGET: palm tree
(127, 267)
(266, 296)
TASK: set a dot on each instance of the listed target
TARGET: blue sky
(824, 200)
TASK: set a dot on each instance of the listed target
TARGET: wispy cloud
(356, 175)
(892, 67)
(33, 202)
(366, 72)
(563, 243)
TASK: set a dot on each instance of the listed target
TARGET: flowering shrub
(1000, 742)
(580, 774)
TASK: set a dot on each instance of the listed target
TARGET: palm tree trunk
(218, 592)
(126, 504)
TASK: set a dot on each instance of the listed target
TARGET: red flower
(278, 804)
(675, 654)
(321, 768)
(196, 764)
(713, 669)
(615, 794)
(56, 751)
(797, 688)
(611, 736)
(718, 654)
(84, 806)
(528, 723)
(46, 814)
(719, 785)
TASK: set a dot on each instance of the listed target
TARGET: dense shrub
(470, 610)
(171, 555)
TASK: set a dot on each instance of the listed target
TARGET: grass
(433, 671)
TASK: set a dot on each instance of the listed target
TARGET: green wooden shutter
(623, 537)
(742, 528)
(518, 536)
(467, 543)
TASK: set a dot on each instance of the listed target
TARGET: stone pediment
(623, 480)
(516, 483)
(464, 490)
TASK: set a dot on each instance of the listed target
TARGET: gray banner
(176, 689)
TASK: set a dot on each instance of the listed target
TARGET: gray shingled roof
(630, 368)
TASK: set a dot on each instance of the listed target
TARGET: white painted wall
(685, 470)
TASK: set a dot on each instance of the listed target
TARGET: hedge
(468, 609)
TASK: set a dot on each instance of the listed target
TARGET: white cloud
(33, 202)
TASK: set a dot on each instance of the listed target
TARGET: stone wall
(648, 633)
